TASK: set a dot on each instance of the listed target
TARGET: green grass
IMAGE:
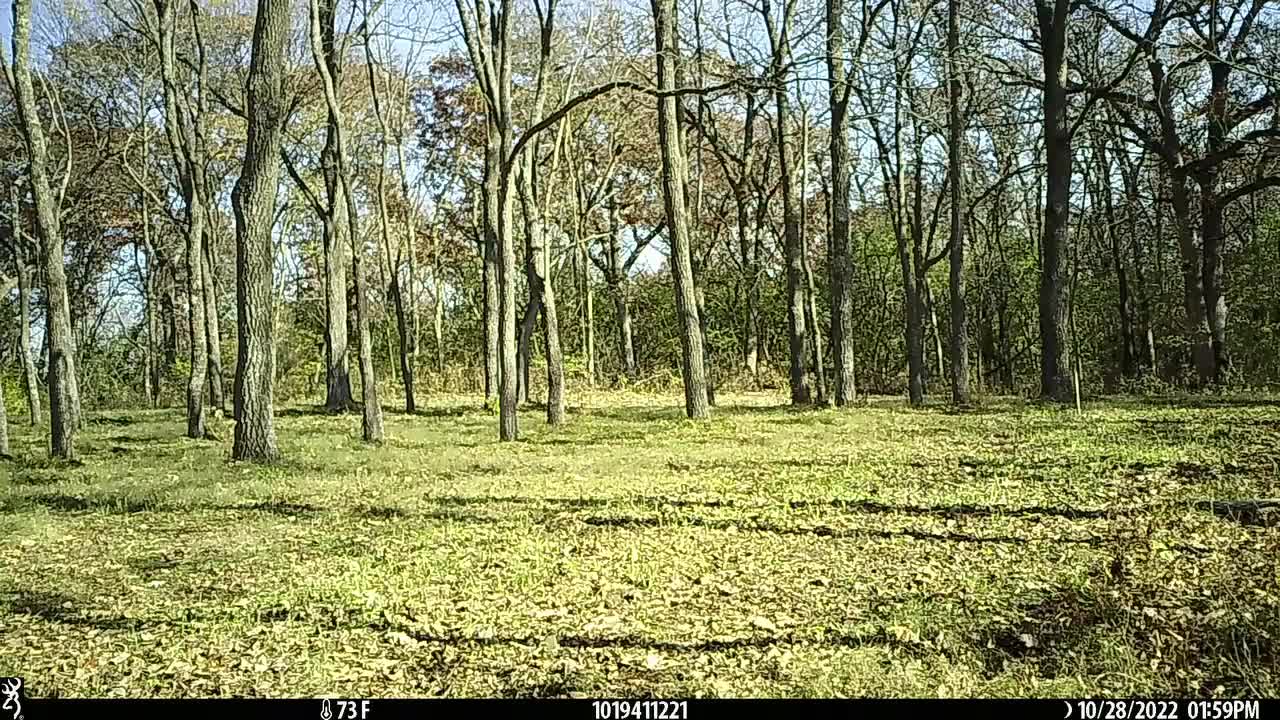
(1011, 550)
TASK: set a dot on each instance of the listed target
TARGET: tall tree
(63, 404)
(185, 115)
(675, 171)
(23, 272)
(779, 32)
(406, 335)
(955, 162)
(254, 202)
(371, 411)
(1055, 380)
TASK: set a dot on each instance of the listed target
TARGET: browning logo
(11, 693)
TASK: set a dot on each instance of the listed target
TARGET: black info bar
(649, 709)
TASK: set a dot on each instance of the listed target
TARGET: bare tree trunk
(1128, 351)
(184, 128)
(1212, 229)
(1055, 367)
(489, 277)
(4, 426)
(797, 333)
(615, 276)
(213, 332)
(838, 255)
(32, 379)
(810, 290)
(674, 175)
(371, 416)
(406, 340)
(338, 395)
(63, 419)
(955, 151)
(588, 308)
(253, 201)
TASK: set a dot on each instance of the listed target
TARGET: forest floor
(1008, 550)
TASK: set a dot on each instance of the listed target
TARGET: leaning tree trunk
(254, 202)
(674, 174)
(63, 421)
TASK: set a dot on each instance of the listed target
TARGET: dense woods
(528, 199)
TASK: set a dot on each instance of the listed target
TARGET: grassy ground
(876, 551)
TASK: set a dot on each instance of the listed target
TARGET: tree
(371, 412)
(406, 334)
(675, 171)
(185, 112)
(533, 205)
(1055, 380)
(955, 157)
(254, 201)
(779, 32)
(23, 273)
(63, 403)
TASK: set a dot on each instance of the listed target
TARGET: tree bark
(30, 376)
(674, 176)
(253, 201)
(63, 421)
(184, 128)
(955, 150)
(406, 340)
(371, 415)
(780, 41)
(4, 426)
(1212, 228)
(1055, 367)
(838, 255)
(338, 395)
(1128, 350)
(213, 332)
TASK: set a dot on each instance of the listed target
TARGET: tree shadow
(60, 608)
(446, 411)
(65, 502)
(862, 506)
(1194, 401)
(116, 421)
(627, 521)
(881, 638)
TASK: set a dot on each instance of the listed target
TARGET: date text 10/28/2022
(1162, 710)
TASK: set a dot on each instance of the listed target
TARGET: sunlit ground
(1010, 550)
